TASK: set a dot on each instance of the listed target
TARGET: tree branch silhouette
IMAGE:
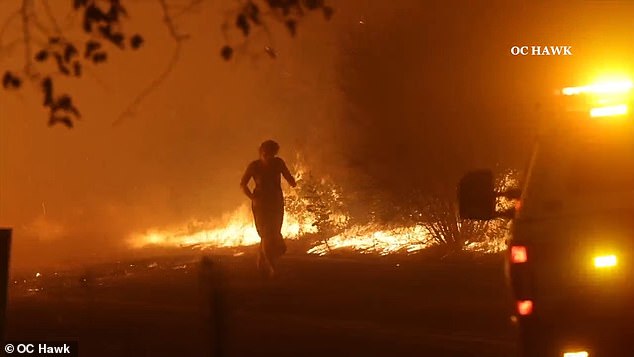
(178, 38)
(26, 33)
(102, 23)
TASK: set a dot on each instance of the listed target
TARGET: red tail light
(524, 307)
(519, 254)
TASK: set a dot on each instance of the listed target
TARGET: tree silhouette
(103, 28)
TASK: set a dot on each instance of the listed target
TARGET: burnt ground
(363, 306)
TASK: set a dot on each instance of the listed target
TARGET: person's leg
(268, 216)
(263, 264)
(278, 247)
(260, 219)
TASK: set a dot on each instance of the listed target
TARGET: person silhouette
(267, 203)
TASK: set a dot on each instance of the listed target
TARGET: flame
(487, 246)
(373, 239)
(237, 229)
(233, 230)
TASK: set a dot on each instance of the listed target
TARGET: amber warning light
(604, 99)
(524, 307)
(519, 254)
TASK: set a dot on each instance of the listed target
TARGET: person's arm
(244, 182)
(287, 174)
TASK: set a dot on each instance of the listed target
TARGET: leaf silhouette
(313, 4)
(77, 68)
(65, 120)
(61, 66)
(253, 11)
(113, 14)
(243, 24)
(93, 13)
(328, 12)
(47, 88)
(79, 3)
(69, 52)
(226, 52)
(106, 31)
(87, 24)
(91, 46)
(6, 79)
(136, 41)
(117, 39)
(99, 57)
(10, 81)
(16, 82)
(291, 25)
(41, 56)
(65, 103)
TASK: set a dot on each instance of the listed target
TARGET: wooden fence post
(213, 281)
(5, 253)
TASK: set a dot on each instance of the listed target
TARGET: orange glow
(233, 230)
(382, 240)
(236, 229)
(613, 110)
(576, 354)
(605, 261)
(524, 307)
(519, 254)
(600, 88)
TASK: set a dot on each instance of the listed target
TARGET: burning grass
(233, 230)
(375, 239)
(316, 211)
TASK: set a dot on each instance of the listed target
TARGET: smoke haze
(400, 92)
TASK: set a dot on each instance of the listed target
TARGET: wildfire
(367, 239)
(237, 229)
(233, 230)
(305, 211)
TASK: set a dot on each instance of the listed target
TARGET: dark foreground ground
(396, 306)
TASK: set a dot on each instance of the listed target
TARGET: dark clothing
(268, 204)
(269, 215)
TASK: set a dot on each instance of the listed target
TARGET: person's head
(268, 150)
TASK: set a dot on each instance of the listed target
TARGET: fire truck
(570, 256)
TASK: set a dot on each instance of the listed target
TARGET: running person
(267, 203)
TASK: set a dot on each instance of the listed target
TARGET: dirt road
(318, 306)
